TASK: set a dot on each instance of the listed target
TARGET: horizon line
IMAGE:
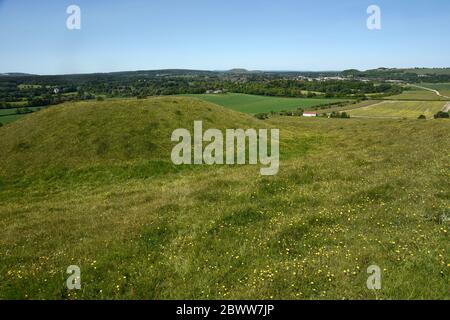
(213, 70)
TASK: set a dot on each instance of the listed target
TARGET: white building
(310, 114)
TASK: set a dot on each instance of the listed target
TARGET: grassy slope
(258, 104)
(346, 197)
(400, 109)
(103, 133)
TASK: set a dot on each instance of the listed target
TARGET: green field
(29, 86)
(91, 184)
(415, 93)
(399, 109)
(252, 104)
(10, 118)
(10, 115)
(443, 88)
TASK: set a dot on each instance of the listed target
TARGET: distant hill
(418, 71)
(238, 70)
(429, 71)
(188, 72)
(407, 75)
(16, 74)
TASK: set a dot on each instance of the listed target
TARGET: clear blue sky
(218, 35)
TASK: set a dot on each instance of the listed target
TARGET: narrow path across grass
(446, 107)
(432, 90)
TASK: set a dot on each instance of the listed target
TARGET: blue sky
(220, 35)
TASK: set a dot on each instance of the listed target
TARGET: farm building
(214, 91)
(310, 114)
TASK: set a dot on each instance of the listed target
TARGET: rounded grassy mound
(83, 134)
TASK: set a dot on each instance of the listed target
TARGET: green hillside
(86, 134)
(91, 184)
(428, 71)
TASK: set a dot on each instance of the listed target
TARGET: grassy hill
(91, 184)
(86, 134)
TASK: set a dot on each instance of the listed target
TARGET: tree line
(34, 91)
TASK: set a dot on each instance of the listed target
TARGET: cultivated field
(10, 115)
(416, 93)
(399, 109)
(347, 107)
(262, 104)
(91, 184)
(443, 88)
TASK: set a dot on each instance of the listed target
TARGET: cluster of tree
(23, 110)
(5, 105)
(291, 113)
(38, 99)
(328, 89)
(442, 115)
(47, 90)
(335, 104)
(57, 99)
(415, 75)
(342, 115)
(262, 116)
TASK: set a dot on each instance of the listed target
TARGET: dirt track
(446, 107)
(432, 90)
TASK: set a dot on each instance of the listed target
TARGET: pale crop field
(418, 95)
(253, 104)
(399, 109)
